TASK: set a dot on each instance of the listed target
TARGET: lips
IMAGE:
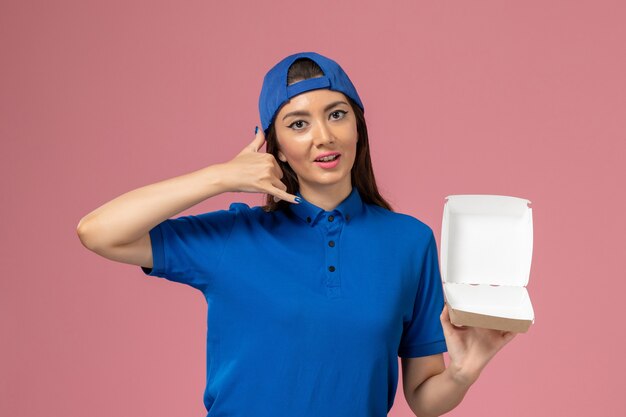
(325, 155)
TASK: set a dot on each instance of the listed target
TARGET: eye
(299, 123)
(342, 113)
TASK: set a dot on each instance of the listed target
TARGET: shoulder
(238, 207)
(411, 227)
(220, 218)
(254, 215)
(246, 209)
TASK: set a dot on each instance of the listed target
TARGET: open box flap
(486, 239)
(502, 301)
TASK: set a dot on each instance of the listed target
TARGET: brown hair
(362, 173)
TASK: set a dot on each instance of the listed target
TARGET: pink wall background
(496, 97)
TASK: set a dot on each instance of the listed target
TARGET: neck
(326, 197)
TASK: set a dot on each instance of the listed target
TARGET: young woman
(313, 296)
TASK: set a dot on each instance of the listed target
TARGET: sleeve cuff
(424, 349)
(158, 253)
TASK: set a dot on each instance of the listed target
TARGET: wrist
(216, 177)
(462, 376)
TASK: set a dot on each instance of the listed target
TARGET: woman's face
(314, 123)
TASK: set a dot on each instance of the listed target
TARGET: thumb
(448, 328)
(259, 139)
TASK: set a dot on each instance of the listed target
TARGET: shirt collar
(349, 208)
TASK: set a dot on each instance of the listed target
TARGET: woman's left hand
(471, 348)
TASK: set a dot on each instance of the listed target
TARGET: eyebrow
(306, 113)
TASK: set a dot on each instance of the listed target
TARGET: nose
(323, 134)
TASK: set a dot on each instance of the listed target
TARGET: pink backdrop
(488, 97)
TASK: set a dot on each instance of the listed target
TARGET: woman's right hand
(252, 171)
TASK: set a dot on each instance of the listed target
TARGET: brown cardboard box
(485, 257)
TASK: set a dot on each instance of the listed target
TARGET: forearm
(131, 215)
(439, 394)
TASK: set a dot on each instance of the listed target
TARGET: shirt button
(308, 219)
(331, 268)
(331, 243)
(347, 217)
(331, 218)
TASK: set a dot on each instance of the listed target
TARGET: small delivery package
(486, 251)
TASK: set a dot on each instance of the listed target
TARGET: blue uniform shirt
(308, 310)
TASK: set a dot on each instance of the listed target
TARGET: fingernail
(256, 129)
(298, 199)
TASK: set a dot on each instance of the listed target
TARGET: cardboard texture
(486, 252)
